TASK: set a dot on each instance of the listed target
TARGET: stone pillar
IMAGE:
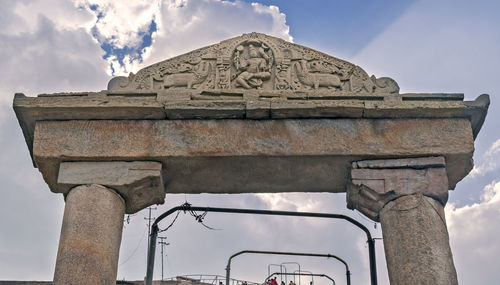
(98, 194)
(90, 236)
(407, 196)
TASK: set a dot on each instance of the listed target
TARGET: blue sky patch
(134, 52)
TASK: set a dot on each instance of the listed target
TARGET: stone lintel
(138, 182)
(182, 105)
(247, 156)
(375, 183)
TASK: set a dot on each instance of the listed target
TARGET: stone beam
(238, 156)
(188, 105)
(407, 196)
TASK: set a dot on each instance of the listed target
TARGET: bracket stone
(374, 183)
(138, 182)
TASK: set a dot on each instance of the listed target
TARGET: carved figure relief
(283, 76)
(255, 62)
(316, 77)
(190, 78)
(252, 62)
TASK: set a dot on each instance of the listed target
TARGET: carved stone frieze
(254, 62)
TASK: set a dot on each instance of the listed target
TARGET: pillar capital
(138, 182)
(374, 183)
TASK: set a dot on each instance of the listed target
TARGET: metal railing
(290, 262)
(301, 274)
(186, 207)
(210, 279)
(228, 267)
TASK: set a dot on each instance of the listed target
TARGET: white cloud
(494, 148)
(182, 26)
(64, 14)
(474, 237)
(482, 169)
(122, 23)
(279, 25)
(187, 25)
(489, 161)
(50, 60)
(49, 56)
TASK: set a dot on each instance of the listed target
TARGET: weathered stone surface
(256, 105)
(415, 107)
(430, 181)
(316, 109)
(205, 109)
(90, 236)
(432, 96)
(374, 183)
(412, 163)
(138, 182)
(237, 156)
(407, 196)
(416, 242)
(254, 62)
(258, 109)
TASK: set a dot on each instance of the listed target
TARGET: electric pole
(162, 244)
(149, 219)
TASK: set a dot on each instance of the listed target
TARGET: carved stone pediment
(254, 62)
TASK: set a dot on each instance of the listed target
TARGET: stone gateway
(253, 114)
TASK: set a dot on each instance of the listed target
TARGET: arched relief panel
(255, 61)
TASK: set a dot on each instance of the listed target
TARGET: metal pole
(151, 254)
(162, 245)
(371, 242)
(149, 221)
(162, 262)
(228, 273)
(373, 261)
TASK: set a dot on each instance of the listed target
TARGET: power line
(162, 243)
(136, 248)
(149, 219)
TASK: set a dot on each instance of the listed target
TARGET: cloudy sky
(425, 45)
